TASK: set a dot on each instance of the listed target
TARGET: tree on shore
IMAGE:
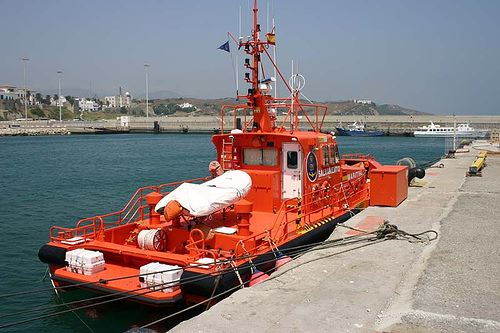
(46, 100)
(37, 112)
(38, 98)
(70, 99)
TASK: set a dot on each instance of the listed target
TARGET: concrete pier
(391, 125)
(449, 285)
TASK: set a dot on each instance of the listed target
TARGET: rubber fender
(419, 173)
(415, 173)
(408, 161)
(52, 255)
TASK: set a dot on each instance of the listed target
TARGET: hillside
(196, 107)
(352, 108)
(212, 106)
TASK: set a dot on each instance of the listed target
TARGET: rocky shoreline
(22, 131)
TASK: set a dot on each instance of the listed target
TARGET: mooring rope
(385, 232)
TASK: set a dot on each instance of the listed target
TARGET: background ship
(460, 131)
(356, 129)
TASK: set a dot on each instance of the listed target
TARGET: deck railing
(134, 210)
(314, 114)
(314, 207)
(294, 213)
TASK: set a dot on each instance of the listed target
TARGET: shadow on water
(117, 316)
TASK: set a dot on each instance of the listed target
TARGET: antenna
(238, 58)
(239, 35)
(249, 18)
(292, 107)
(276, 64)
(267, 18)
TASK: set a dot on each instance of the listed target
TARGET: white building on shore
(58, 102)
(363, 101)
(87, 105)
(118, 101)
(16, 93)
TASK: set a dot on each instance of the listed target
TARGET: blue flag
(224, 47)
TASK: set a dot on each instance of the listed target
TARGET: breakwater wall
(391, 125)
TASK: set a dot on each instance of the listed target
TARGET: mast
(256, 99)
(260, 99)
(256, 53)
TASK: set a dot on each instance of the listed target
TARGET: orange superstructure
(300, 189)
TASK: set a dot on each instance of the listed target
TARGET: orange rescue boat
(275, 186)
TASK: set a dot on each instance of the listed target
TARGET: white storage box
(85, 262)
(161, 277)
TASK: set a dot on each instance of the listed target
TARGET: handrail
(83, 229)
(127, 214)
(278, 103)
(311, 203)
(307, 205)
(356, 156)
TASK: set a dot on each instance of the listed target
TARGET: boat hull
(197, 286)
(204, 284)
(102, 289)
(424, 134)
(344, 132)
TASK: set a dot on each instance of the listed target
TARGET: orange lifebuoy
(172, 210)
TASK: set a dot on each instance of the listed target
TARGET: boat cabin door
(291, 171)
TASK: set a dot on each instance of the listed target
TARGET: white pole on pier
(454, 132)
(24, 60)
(59, 96)
(146, 66)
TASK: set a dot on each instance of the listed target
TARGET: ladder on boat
(227, 155)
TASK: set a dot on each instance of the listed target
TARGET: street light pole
(24, 60)
(146, 66)
(59, 96)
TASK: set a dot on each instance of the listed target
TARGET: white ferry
(437, 131)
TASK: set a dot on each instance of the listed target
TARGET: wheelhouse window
(334, 154)
(333, 158)
(292, 159)
(256, 156)
(325, 155)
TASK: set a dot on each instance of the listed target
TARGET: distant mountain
(353, 108)
(162, 94)
(79, 92)
(76, 92)
(393, 109)
(211, 106)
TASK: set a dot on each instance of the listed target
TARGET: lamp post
(24, 60)
(146, 66)
(59, 96)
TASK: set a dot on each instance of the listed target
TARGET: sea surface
(57, 180)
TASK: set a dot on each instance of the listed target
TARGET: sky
(437, 56)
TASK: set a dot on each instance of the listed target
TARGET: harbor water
(57, 180)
